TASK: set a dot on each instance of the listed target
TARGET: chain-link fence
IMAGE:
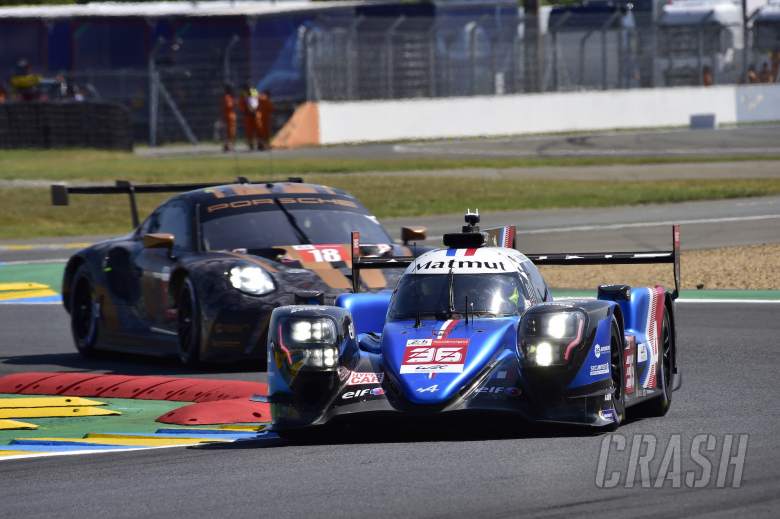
(175, 88)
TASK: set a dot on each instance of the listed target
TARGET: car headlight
(549, 338)
(313, 342)
(251, 280)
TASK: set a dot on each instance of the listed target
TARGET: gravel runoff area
(754, 267)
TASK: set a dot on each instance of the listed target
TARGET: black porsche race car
(201, 275)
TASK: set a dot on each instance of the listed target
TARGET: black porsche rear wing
(585, 258)
(60, 192)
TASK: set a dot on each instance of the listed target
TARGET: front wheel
(617, 370)
(188, 325)
(84, 312)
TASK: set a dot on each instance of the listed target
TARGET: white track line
(615, 226)
(688, 300)
(33, 262)
(654, 224)
(33, 454)
(432, 150)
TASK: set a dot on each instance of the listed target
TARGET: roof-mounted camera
(472, 219)
(470, 237)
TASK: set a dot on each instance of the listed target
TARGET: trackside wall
(367, 121)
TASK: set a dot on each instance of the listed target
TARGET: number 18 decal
(321, 253)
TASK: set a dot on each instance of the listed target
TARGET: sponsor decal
(500, 391)
(598, 350)
(363, 393)
(462, 264)
(641, 353)
(343, 373)
(356, 378)
(434, 356)
(429, 389)
(321, 253)
(599, 369)
(629, 365)
(607, 414)
(500, 375)
(270, 203)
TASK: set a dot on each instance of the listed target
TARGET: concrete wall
(367, 121)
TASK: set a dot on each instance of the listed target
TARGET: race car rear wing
(358, 262)
(506, 237)
(60, 192)
(619, 258)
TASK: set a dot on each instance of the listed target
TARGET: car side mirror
(413, 234)
(158, 241)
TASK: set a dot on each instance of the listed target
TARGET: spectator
(229, 118)
(266, 119)
(775, 64)
(24, 82)
(249, 103)
(706, 76)
(765, 76)
(752, 76)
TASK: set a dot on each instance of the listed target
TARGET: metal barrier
(65, 125)
(176, 95)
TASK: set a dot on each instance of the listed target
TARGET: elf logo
(363, 393)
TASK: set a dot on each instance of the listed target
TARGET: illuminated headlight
(313, 330)
(251, 280)
(550, 338)
(543, 354)
(313, 342)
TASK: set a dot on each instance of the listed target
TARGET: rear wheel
(617, 370)
(660, 406)
(84, 312)
(189, 320)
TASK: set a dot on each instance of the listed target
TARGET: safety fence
(176, 94)
(65, 125)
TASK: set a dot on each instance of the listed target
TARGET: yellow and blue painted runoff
(27, 292)
(68, 406)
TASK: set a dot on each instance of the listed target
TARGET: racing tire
(617, 372)
(188, 324)
(84, 312)
(660, 405)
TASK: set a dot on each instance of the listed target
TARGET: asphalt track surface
(707, 224)
(727, 352)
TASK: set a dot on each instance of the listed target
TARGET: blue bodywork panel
(368, 309)
(474, 345)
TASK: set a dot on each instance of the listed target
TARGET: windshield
(429, 295)
(265, 229)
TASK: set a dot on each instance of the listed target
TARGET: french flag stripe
(470, 252)
(452, 252)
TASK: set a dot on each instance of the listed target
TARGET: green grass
(26, 212)
(73, 165)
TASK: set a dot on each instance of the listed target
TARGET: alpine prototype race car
(473, 328)
(201, 275)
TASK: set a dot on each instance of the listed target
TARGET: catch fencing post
(604, 29)
(389, 52)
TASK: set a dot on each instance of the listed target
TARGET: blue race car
(473, 328)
